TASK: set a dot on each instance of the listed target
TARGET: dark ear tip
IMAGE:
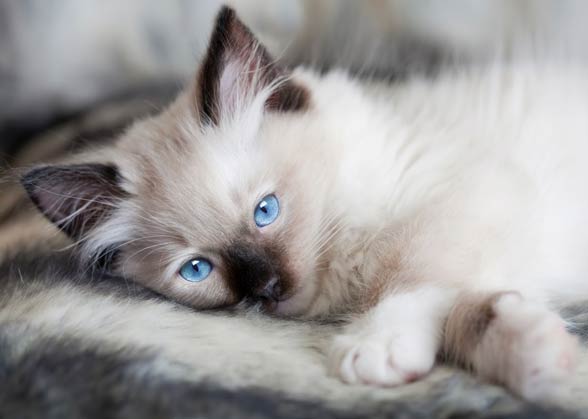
(31, 182)
(30, 179)
(227, 21)
(74, 197)
(226, 13)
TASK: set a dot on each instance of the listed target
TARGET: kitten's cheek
(299, 303)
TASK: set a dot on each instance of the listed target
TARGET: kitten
(438, 216)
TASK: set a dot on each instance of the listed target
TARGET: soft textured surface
(52, 365)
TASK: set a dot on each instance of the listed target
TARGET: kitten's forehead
(207, 189)
(234, 166)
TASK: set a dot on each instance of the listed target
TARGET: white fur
(481, 171)
(397, 342)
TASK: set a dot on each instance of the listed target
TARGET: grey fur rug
(49, 372)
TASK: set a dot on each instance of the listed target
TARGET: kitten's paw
(379, 360)
(532, 347)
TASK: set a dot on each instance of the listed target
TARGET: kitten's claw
(379, 360)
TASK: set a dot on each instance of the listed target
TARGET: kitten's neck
(383, 175)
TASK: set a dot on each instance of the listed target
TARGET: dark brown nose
(253, 273)
(271, 291)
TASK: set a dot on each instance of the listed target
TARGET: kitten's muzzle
(271, 292)
(256, 273)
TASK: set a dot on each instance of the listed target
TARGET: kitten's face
(213, 202)
(248, 213)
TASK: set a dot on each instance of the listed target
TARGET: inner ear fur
(238, 66)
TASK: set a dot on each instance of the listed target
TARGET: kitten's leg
(514, 342)
(395, 342)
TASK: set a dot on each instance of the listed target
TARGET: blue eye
(267, 211)
(196, 270)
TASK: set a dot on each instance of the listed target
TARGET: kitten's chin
(299, 304)
(289, 308)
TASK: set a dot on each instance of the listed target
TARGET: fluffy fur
(399, 205)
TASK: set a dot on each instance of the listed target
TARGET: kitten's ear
(236, 68)
(76, 198)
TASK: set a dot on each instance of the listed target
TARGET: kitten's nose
(271, 291)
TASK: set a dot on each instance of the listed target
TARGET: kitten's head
(213, 202)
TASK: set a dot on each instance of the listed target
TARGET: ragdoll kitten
(440, 216)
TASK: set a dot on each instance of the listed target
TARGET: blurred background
(60, 58)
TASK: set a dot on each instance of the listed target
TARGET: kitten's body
(439, 199)
(414, 207)
(473, 181)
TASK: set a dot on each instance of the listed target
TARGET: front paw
(528, 348)
(380, 360)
